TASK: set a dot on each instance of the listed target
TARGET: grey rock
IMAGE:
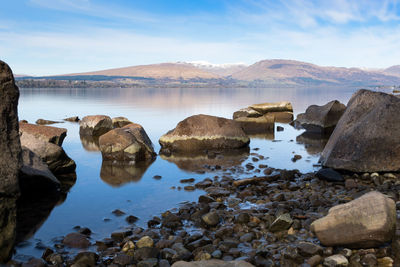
(95, 125)
(283, 222)
(330, 175)
(211, 218)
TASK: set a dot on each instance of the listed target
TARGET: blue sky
(45, 37)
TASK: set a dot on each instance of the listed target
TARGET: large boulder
(366, 138)
(46, 133)
(119, 122)
(54, 156)
(273, 107)
(95, 125)
(204, 132)
(259, 125)
(10, 147)
(279, 111)
(127, 144)
(367, 221)
(321, 118)
(212, 263)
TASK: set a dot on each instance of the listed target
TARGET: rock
(257, 125)
(329, 175)
(35, 174)
(127, 144)
(366, 136)
(145, 242)
(44, 122)
(95, 125)
(282, 117)
(321, 118)
(273, 107)
(336, 261)
(119, 122)
(152, 262)
(10, 147)
(369, 260)
(76, 240)
(86, 259)
(211, 218)
(246, 112)
(72, 119)
(54, 156)
(280, 128)
(385, 262)
(145, 253)
(212, 263)
(314, 260)
(203, 132)
(123, 259)
(367, 221)
(46, 133)
(283, 222)
(308, 249)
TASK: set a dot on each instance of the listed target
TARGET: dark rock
(205, 199)
(283, 222)
(242, 217)
(119, 122)
(34, 262)
(131, 219)
(145, 253)
(123, 259)
(329, 175)
(86, 259)
(366, 136)
(369, 260)
(118, 212)
(202, 132)
(211, 218)
(46, 133)
(188, 180)
(72, 119)
(280, 128)
(212, 263)
(76, 240)
(308, 249)
(152, 262)
(45, 122)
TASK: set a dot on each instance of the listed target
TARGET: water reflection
(313, 142)
(210, 161)
(90, 143)
(266, 136)
(8, 222)
(119, 174)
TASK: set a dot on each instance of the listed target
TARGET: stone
(211, 218)
(53, 155)
(119, 122)
(308, 249)
(369, 260)
(95, 125)
(246, 112)
(282, 117)
(336, 261)
(273, 107)
(123, 259)
(145, 242)
(329, 175)
(35, 174)
(45, 122)
(76, 240)
(152, 262)
(72, 119)
(314, 260)
(321, 118)
(46, 133)
(145, 253)
(127, 144)
(366, 137)
(257, 125)
(34, 262)
(10, 146)
(283, 222)
(385, 262)
(86, 258)
(204, 132)
(212, 263)
(367, 221)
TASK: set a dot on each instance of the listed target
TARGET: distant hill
(297, 72)
(158, 71)
(393, 70)
(219, 69)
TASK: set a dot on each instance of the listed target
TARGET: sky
(49, 37)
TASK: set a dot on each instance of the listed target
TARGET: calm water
(93, 197)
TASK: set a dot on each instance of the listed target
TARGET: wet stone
(189, 180)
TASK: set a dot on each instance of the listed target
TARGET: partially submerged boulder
(366, 138)
(127, 144)
(95, 125)
(279, 111)
(246, 112)
(45, 122)
(203, 132)
(53, 155)
(273, 107)
(46, 133)
(257, 125)
(321, 118)
(72, 119)
(367, 221)
(10, 147)
(119, 122)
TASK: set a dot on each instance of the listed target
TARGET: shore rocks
(95, 125)
(76, 240)
(203, 132)
(44, 122)
(366, 138)
(119, 122)
(10, 147)
(212, 263)
(367, 221)
(246, 113)
(127, 144)
(322, 119)
(46, 133)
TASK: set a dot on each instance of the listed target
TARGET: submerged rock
(127, 144)
(46, 133)
(321, 118)
(76, 240)
(367, 221)
(203, 132)
(72, 119)
(119, 122)
(366, 138)
(10, 147)
(95, 125)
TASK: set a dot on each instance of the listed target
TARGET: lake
(96, 193)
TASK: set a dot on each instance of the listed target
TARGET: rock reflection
(313, 142)
(266, 136)
(118, 174)
(8, 222)
(90, 143)
(210, 161)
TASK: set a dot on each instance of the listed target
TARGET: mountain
(219, 69)
(278, 71)
(174, 71)
(393, 70)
